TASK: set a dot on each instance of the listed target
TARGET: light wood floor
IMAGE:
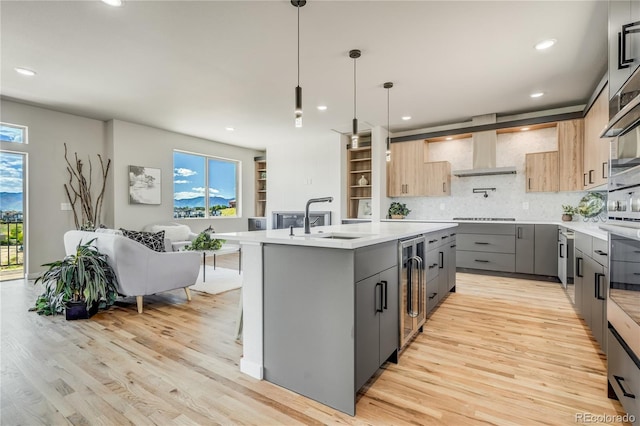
(499, 351)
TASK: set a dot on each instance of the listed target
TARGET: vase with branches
(86, 212)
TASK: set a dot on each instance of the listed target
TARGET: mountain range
(199, 202)
(11, 201)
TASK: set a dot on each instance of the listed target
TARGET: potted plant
(77, 284)
(398, 210)
(568, 212)
(204, 242)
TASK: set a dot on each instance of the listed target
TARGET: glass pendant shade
(298, 111)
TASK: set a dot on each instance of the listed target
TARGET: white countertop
(589, 228)
(368, 233)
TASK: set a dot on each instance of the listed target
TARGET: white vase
(363, 181)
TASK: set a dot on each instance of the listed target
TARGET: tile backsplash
(509, 199)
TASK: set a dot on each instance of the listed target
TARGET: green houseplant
(77, 284)
(204, 242)
(398, 210)
(568, 212)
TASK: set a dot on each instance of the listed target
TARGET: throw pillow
(176, 232)
(155, 241)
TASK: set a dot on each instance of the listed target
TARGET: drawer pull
(601, 253)
(433, 241)
(452, 245)
(433, 295)
(636, 273)
(433, 266)
(481, 243)
(445, 237)
(481, 261)
(619, 381)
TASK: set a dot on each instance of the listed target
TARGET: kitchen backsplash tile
(509, 198)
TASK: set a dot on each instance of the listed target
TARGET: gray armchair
(140, 270)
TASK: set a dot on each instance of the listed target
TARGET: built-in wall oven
(413, 287)
(623, 206)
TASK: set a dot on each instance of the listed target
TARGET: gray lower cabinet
(376, 323)
(591, 286)
(525, 235)
(545, 252)
(487, 246)
(623, 374)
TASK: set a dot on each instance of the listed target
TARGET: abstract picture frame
(364, 208)
(145, 185)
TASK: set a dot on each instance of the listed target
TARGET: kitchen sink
(335, 236)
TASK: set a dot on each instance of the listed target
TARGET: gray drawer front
(486, 228)
(583, 242)
(373, 259)
(432, 264)
(599, 247)
(487, 243)
(503, 262)
(433, 240)
(432, 295)
(622, 366)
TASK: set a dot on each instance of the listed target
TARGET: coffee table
(223, 250)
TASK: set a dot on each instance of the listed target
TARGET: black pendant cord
(388, 127)
(298, 7)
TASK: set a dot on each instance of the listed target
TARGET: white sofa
(140, 270)
(176, 235)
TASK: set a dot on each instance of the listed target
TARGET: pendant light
(354, 54)
(388, 85)
(298, 111)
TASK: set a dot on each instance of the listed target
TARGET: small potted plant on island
(568, 212)
(78, 284)
(398, 210)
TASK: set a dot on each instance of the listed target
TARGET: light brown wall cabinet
(596, 150)
(405, 171)
(542, 172)
(438, 178)
(358, 179)
(570, 155)
(261, 187)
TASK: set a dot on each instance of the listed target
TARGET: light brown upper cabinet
(405, 171)
(596, 150)
(438, 178)
(570, 155)
(542, 172)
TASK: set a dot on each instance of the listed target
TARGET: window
(204, 186)
(13, 133)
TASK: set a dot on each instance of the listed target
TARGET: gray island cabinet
(321, 311)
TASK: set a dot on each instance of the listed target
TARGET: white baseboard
(252, 369)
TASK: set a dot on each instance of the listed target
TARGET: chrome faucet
(307, 226)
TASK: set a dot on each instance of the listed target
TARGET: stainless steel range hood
(484, 152)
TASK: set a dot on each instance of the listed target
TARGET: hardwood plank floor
(499, 351)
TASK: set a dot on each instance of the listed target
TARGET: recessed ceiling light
(229, 129)
(322, 107)
(536, 94)
(449, 138)
(545, 44)
(406, 117)
(524, 129)
(25, 71)
(114, 3)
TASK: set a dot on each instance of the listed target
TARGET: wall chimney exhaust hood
(484, 152)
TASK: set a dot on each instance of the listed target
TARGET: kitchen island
(306, 304)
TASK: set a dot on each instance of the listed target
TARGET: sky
(10, 172)
(189, 176)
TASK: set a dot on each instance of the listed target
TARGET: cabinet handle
(444, 187)
(433, 241)
(386, 294)
(584, 179)
(605, 175)
(529, 183)
(433, 295)
(453, 246)
(579, 267)
(481, 261)
(619, 381)
(591, 172)
(519, 236)
(444, 238)
(601, 253)
(560, 249)
(597, 282)
(623, 61)
(380, 308)
(433, 266)
(441, 266)
(636, 273)
(482, 243)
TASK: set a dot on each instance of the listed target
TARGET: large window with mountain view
(204, 186)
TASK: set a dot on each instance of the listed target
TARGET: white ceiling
(196, 67)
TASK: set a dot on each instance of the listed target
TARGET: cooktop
(486, 218)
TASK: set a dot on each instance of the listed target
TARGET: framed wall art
(145, 186)
(364, 209)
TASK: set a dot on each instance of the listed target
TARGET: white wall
(310, 169)
(510, 194)
(134, 144)
(48, 131)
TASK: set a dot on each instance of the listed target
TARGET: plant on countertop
(398, 209)
(204, 242)
(84, 276)
(570, 210)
